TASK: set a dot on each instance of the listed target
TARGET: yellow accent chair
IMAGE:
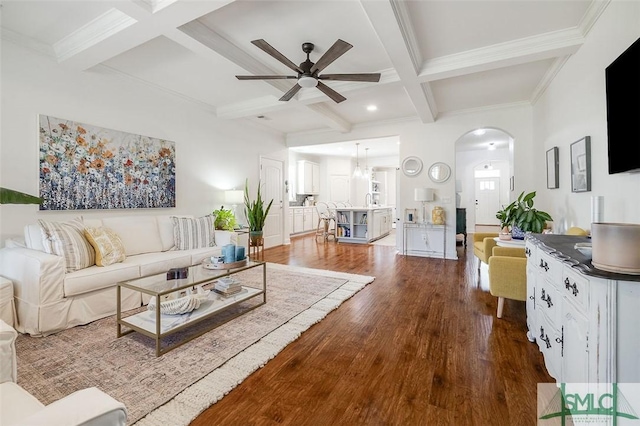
(508, 275)
(574, 230)
(483, 243)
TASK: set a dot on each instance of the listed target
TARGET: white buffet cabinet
(362, 224)
(585, 321)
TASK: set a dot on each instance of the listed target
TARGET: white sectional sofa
(48, 300)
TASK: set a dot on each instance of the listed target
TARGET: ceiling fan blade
(338, 49)
(290, 93)
(265, 77)
(266, 47)
(373, 77)
(337, 97)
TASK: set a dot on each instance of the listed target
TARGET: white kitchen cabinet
(298, 221)
(303, 219)
(290, 221)
(307, 219)
(308, 178)
(584, 320)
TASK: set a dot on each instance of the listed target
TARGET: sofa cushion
(195, 233)
(107, 245)
(67, 239)
(158, 263)
(96, 278)
(15, 402)
(139, 234)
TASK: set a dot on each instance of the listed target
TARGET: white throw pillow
(193, 233)
(67, 239)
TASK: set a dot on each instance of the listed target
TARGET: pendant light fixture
(367, 172)
(357, 173)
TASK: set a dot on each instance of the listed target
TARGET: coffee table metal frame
(198, 275)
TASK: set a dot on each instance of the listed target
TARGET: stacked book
(227, 287)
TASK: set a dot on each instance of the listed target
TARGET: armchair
(87, 407)
(508, 275)
(483, 243)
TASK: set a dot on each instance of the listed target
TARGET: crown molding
(596, 8)
(27, 43)
(548, 77)
(544, 46)
(104, 26)
(521, 104)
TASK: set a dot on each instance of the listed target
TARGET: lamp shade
(423, 194)
(234, 196)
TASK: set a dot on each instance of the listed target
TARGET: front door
(271, 177)
(487, 200)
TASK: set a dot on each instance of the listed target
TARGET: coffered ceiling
(435, 57)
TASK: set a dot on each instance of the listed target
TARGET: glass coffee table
(157, 325)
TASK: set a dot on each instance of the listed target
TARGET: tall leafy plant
(254, 210)
(9, 196)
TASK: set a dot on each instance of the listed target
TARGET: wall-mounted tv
(623, 111)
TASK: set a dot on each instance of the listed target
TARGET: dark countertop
(562, 247)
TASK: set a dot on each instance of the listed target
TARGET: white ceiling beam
(330, 117)
(390, 20)
(530, 49)
(112, 37)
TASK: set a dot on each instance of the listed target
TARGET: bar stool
(325, 217)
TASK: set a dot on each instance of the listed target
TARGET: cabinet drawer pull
(545, 338)
(573, 287)
(544, 265)
(546, 298)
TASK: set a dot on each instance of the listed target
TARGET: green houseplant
(225, 219)
(255, 212)
(522, 215)
(9, 196)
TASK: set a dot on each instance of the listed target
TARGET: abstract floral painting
(88, 167)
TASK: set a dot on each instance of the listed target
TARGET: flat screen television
(623, 111)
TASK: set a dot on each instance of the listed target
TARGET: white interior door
(487, 200)
(272, 179)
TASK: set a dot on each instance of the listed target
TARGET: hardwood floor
(421, 345)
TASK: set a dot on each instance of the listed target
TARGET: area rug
(174, 388)
(389, 240)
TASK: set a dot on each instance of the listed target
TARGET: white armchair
(87, 407)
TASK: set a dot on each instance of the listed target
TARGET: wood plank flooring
(421, 345)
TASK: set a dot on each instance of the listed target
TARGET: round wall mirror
(411, 166)
(439, 172)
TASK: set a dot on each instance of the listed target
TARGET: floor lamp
(423, 195)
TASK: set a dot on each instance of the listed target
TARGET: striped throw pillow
(195, 233)
(67, 239)
(107, 244)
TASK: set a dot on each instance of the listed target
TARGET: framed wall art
(553, 168)
(581, 165)
(88, 167)
(410, 215)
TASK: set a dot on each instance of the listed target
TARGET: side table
(256, 248)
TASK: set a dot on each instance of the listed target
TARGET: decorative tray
(208, 265)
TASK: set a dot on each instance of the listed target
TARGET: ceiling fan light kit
(308, 73)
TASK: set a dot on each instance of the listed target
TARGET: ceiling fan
(309, 72)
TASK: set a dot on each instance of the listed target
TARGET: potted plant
(9, 196)
(505, 217)
(522, 217)
(256, 213)
(225, 219)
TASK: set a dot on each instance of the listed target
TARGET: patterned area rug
(174, 388)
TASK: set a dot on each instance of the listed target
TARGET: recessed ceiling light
(372, 108)
(479, 132)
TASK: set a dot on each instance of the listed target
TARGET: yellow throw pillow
(107, 244)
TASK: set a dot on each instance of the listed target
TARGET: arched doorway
(484, 166)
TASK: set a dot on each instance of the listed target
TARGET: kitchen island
(362, 225)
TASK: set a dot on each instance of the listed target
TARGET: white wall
(211, 155)
(574, 106)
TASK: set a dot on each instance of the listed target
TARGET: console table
(427, 233)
